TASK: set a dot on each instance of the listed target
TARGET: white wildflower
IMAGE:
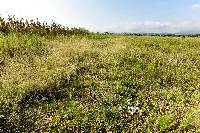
(132, 110)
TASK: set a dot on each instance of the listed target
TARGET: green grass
(98, 83)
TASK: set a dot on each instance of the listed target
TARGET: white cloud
(197, 5)
(156, 27)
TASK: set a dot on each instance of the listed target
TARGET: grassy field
(99, 83)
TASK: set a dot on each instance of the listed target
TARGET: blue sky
(112, 15)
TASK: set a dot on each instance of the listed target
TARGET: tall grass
(13, 24)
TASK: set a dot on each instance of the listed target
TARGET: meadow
(99, 83)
